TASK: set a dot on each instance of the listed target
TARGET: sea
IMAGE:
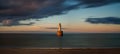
(69, 40)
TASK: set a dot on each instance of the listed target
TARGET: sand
(59, 51)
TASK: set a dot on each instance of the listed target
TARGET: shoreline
(61, 47)
(60, 51)
(53, 48)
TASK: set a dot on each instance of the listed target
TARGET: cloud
(18, 10)
(104, 20)
(54, 28)
(9, 22)
(97, 3)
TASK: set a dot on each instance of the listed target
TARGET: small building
(59, 31)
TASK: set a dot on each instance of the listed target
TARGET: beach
(60, 51)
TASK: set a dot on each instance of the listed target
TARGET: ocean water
(79, 40)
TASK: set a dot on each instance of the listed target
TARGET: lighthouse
(59, 31)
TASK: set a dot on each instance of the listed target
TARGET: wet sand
(59, 51)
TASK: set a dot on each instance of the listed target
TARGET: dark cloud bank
(104, 20)
(17, 10)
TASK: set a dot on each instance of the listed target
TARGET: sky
(76, 16)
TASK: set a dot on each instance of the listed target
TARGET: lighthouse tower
(59, 31)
